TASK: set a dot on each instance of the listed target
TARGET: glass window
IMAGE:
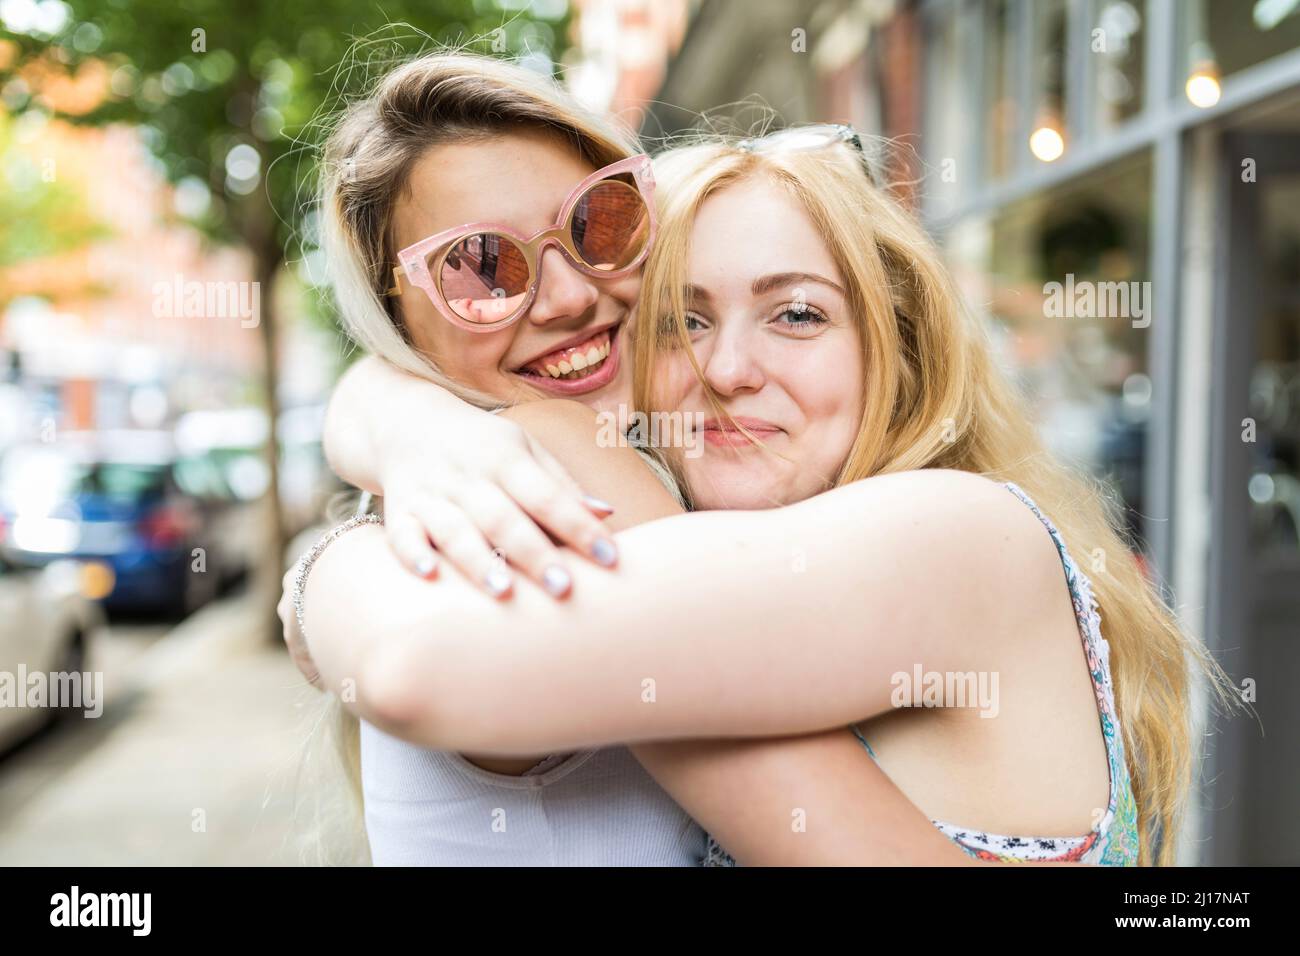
(1063, 278)
(1050, 24)
(1117, 61)
(1222, 37)
(1275, 379)
(999, 97)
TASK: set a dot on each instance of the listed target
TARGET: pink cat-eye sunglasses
(483, 276)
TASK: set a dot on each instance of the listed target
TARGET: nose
(732, 366)
(562, 291)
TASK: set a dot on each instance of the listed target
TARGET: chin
(735, 494)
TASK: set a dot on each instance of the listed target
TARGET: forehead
(754, 228)
(517, 178)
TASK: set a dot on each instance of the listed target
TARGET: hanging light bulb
(1046, 142)
(1203, 89)
(1203, 86)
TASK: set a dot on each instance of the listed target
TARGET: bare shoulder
(588, 448)
(556, 414)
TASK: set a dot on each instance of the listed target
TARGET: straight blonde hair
(934, 398)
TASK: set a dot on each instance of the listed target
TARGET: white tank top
(433, 808)
(595, 808)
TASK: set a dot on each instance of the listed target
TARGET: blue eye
(694, 323)
(800, 316)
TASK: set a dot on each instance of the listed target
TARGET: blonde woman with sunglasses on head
(810, 317)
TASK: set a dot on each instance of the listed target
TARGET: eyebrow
(765, 284)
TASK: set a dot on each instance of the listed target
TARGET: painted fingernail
(556, 580)
(424, 567)
(498, 581)
(595, 504)
(604, 552)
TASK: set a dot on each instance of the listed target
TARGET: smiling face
(520, 179)
(771, 329)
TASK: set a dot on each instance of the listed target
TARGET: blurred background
(160, 446)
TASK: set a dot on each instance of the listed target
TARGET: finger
(558, 510)
(462, 544)
(515, 534)
(552, 466)
(409, 539)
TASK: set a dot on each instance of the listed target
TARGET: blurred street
(192, 761)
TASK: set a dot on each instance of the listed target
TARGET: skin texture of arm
(704, 616)
(353, 433)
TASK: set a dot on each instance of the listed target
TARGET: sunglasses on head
(797, 139)
(483, 276)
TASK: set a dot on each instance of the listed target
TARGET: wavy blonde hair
(935, 398)
(371, 147)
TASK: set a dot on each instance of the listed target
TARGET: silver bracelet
(307, 560)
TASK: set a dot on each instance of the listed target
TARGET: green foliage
(201, 78)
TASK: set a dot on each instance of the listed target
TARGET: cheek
(829, 395)
(675, 381)
(469, 358)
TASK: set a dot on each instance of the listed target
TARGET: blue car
(116, 501)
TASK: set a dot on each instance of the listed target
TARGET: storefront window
(1049, 137)
(999, 99)
(1117, 60)
(1221, 37)
(1063, 278)
(1275, 380)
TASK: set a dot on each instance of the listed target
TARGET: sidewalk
(193, 761)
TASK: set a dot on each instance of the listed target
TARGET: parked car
(46, 626)
(164, 528)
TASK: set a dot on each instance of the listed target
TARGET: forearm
(703, 631)
(815, 800)
(368, 404)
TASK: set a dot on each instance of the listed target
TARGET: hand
(293, 637)
(488, 497)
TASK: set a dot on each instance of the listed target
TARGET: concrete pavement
(193, 762)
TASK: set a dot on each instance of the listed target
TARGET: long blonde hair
(935, 398)
(372, 145)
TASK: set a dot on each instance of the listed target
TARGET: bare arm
(815, 800)
(704, 613)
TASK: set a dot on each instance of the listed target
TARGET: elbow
(392, 694)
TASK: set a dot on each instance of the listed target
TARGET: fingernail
(604, 552)
(424, 567)
(595, 504)
(498, 581)
(556, 580)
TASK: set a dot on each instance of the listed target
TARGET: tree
(229, 97)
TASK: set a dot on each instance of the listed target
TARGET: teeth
(580, 364)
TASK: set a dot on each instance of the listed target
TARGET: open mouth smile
(578, 367)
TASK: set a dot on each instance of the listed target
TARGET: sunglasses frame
(835, 133)
(423, 269)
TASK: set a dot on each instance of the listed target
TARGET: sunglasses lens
(610, 225)
(484, 278)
